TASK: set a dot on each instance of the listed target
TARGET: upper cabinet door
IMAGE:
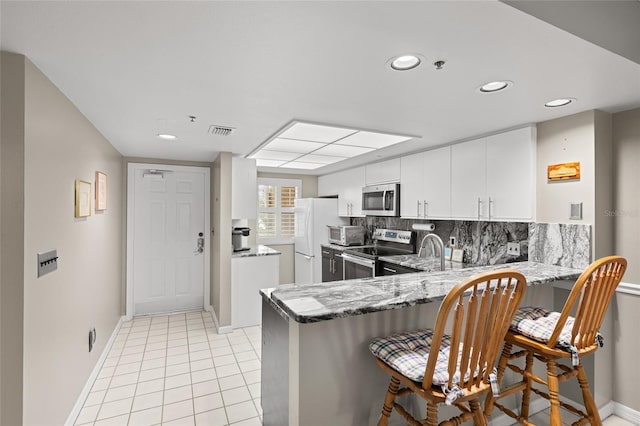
(436, 202)
(412, 185)
(468, 180)
(244, 188)
(347, 185)
(383, 172)
(510, 174)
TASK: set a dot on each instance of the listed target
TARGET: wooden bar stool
(552, 336)
(477, 316)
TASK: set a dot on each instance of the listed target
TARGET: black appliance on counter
(237, 232)
(362, 262)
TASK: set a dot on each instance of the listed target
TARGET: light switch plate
(576, 211)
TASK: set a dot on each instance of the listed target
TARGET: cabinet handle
(418, 210)
(490, 202)
(325, 252)
(424, 207)
(332, 268)
(389, 270)
(479, 206)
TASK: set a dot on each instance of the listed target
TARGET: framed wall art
(101, 191)
(83, 198)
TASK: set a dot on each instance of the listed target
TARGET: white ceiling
(135, 69)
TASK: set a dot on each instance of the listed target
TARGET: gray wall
(626, 142)
(59, 146)
(12, 241)
(222, 249)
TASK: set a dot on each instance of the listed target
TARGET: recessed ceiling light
(495, 86)
(559, 102)
(166, 136)
(405, 62)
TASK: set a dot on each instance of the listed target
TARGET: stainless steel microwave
(344, 235)
(381, 200)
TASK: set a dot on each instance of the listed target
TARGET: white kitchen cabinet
(411, 185)
(510, 175)
(244, 188)
(468, 179)
(249, 275)
(383, 172)
(425, 184)
(347, 184)
(492, 178)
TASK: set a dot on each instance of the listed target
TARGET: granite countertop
(325, 301)
(258, 250)
(427, 264)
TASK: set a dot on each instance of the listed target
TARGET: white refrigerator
(312, 217)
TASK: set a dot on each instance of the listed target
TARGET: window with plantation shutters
(276, 217)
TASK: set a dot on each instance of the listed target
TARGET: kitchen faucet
(437, 241)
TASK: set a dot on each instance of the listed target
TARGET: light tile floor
(176, 370)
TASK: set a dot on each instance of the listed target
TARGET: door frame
(129, 286)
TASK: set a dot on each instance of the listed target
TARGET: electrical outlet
(452, 241)
(513, 248)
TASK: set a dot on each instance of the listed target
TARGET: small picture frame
(101, 191)
(83, 198)
(458, 255)
(447, 253)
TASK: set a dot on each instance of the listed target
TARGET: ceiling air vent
(221, 130)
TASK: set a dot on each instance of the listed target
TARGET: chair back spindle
(477, 325)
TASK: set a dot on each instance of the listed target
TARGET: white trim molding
(131, 167)
(628, 288)
(221, 330)
(75, 411)
(626, 413)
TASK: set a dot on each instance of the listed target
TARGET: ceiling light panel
(346, 151)
(315, 133)
(321, 159)
(276, 155)
(269, 163)
(302, 165)
(293, 145)
(372, 140)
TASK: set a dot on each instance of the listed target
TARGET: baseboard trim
(220, 329)
(626, 413)
(93, 376)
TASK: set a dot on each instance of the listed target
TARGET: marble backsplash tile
(484, 243)
(560, 244)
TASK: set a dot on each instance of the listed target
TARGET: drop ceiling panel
(293, 145)
(322, 159)
(372, 140)
(302, 165)
(342, 150)
(276, 155)
(315, 132)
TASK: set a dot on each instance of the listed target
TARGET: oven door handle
(358, 260)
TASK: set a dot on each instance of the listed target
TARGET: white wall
(565, 139)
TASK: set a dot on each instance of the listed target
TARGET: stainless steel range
(360, 262)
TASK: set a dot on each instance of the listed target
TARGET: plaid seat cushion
(407, 353)
(539, 323)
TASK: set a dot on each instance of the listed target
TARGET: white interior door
(167, 217)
